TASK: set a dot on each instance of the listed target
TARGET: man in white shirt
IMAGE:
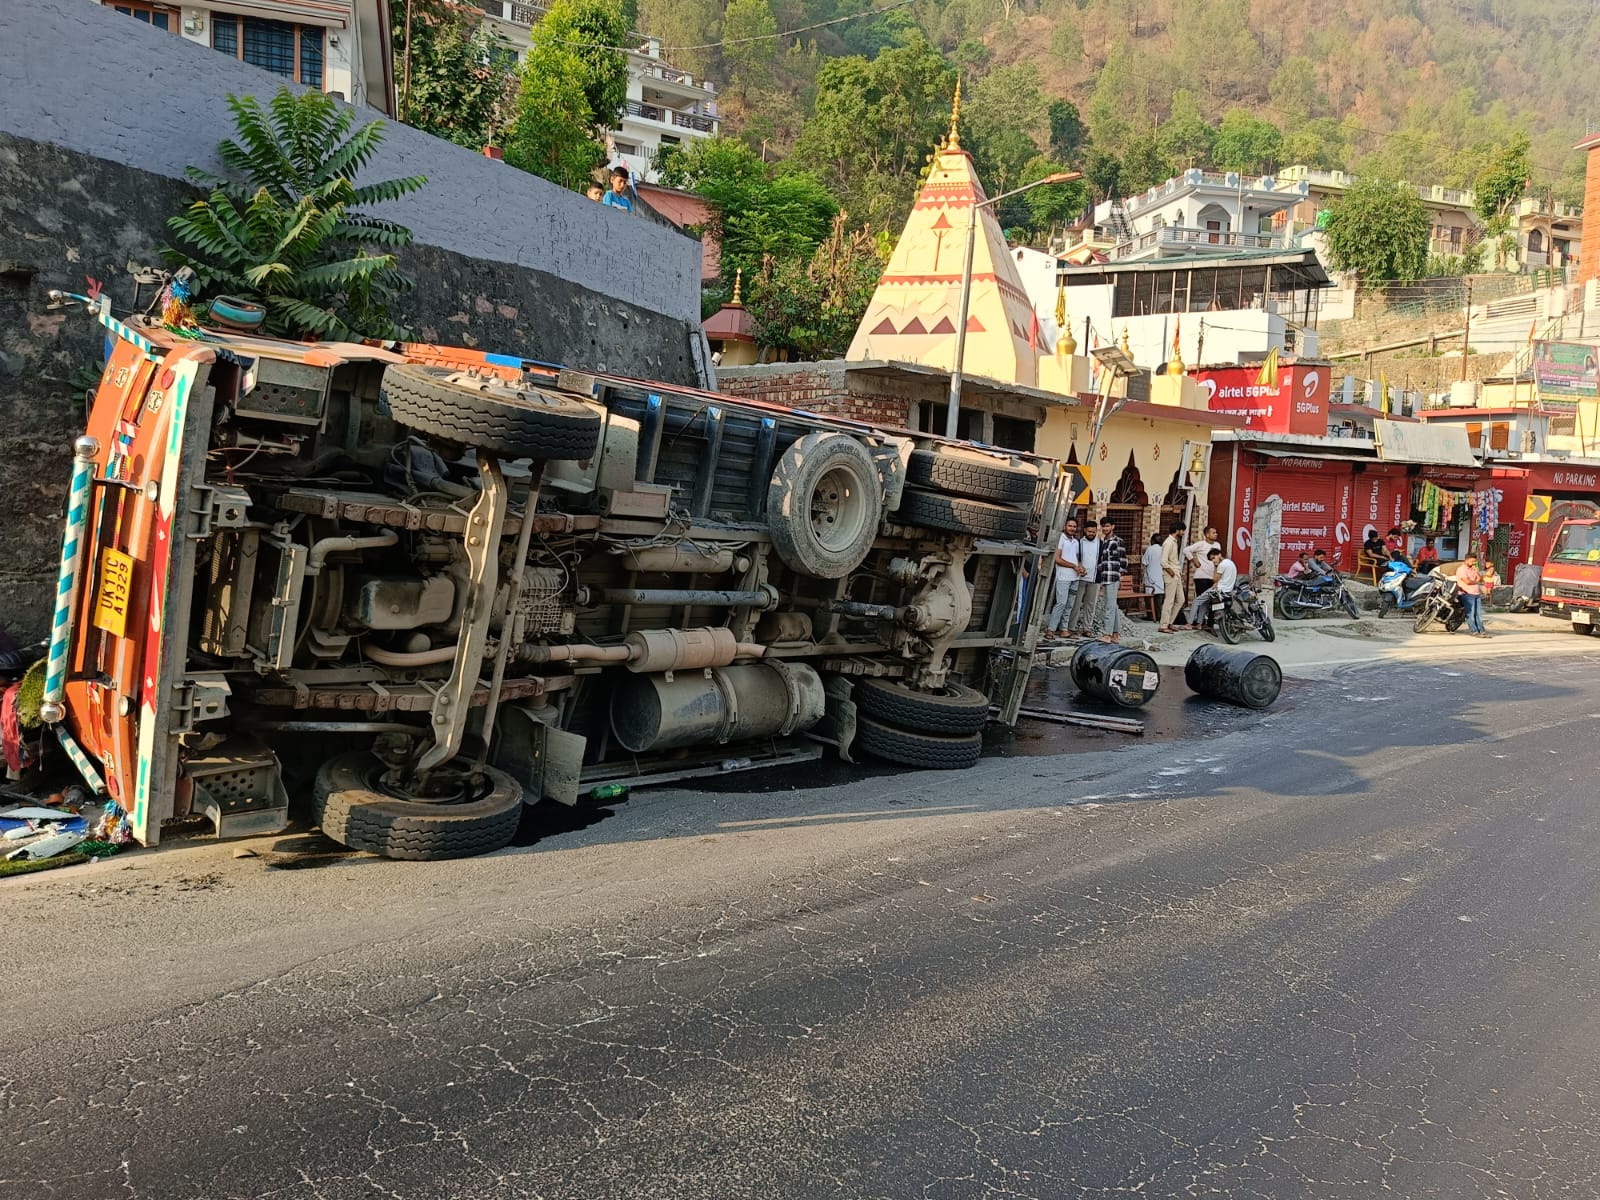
(1081, 619)
(1197, 555)
(1223, 577)
(1151, 561)
(1067, 575)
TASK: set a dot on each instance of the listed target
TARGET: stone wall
(92, 166)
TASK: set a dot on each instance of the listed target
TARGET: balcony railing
(1203, 239)
(668, 116)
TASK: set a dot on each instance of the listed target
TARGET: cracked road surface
(1351, 946)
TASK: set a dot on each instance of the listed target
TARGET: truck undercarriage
(488, 581)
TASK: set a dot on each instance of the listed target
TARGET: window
(155, 15)
(293, 51)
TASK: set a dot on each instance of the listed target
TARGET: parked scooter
(1304, 595)
(1240, 613)
(1403, 588)
(1441, 606)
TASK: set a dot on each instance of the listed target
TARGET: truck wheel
(1584, 629)
(934, 510)
(917, 749)
(952, 710)
(824, 505)
(351, 809)
(973, 475)
(519, 421)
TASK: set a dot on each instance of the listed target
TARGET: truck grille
(1573, 593)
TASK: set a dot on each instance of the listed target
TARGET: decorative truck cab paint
(417, 586)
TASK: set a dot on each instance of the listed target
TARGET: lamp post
(953, 409)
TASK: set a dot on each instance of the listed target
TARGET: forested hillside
(1419, 89)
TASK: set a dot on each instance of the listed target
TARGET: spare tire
(953, 709)
(347, 804)
(824, 505)
(917, 749)
(490, 413)
(977, 476)
(935, 510)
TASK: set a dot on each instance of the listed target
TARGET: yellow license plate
(111, 598)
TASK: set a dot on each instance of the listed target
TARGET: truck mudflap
(125, 675)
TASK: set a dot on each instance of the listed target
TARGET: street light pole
(953, 408)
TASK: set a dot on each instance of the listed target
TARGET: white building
(1198, 212)
(1222, 308)
(339, 46)
(665, 106)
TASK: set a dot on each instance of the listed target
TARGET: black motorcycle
(1442, 606)
(1237, 614)
(1304, 595)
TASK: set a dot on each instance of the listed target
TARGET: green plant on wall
(288, 230)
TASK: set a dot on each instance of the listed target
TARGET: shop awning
(1436, 445)
(1325, 455)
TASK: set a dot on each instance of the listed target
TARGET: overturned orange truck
(417, 587)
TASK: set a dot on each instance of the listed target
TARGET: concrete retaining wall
(100, 116)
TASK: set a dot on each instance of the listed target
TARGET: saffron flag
(1383, 387)
(1177, 334)
(1268, 375)
(1061, 306)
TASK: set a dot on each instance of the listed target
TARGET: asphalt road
(1350, 946)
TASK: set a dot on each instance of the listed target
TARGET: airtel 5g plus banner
(1298, 404)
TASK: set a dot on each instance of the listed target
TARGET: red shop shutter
(1310, 511)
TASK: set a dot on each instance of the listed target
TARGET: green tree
(1247, 143)
(553, 134)
(1505, 179)
(756, 213)
(690, 27)
(1103, 170)
(589, 31)
(810, 307)
(1318, 143)
(872, 126)
(571, 91)
(1068, 137)
(286, 229)
(1144, 165)
(1295, 91)
(1055, 203)
(1119, 104)
(456, 77)
(1379, 229)
(1186, 138)
(748, 47)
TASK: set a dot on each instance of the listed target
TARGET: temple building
(1026, 382)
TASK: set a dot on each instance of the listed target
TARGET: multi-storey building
(339, 46)
(665, 106)
(1198, 212)
(1454, 227)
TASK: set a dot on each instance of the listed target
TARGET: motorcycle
(1441, 606)
(1402, 588)
(1303, 595)
(1236, 614)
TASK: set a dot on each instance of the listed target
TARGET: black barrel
(1237, 676)
(1107, 671)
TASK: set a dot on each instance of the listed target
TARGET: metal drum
(1106, 671)
(1237, 676)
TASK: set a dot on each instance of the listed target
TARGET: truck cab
(1569, 586)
